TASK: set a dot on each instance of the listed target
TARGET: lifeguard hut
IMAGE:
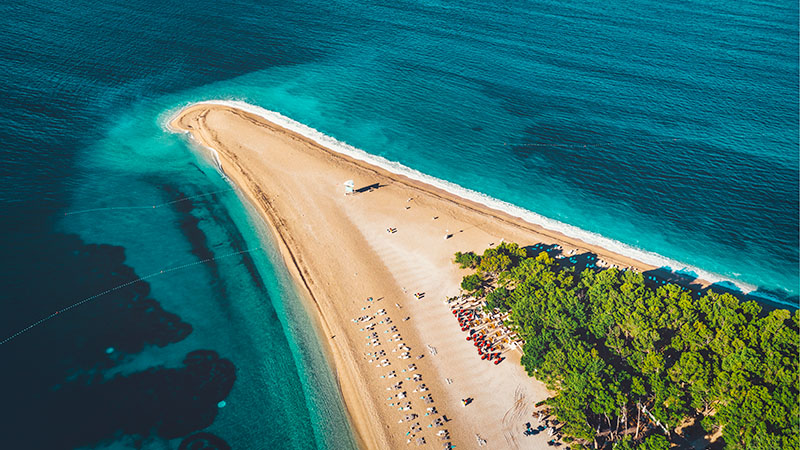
(349, 187)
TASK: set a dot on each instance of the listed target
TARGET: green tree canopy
(631, 361)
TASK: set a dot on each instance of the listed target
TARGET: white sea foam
(171, 114)
(588, 237)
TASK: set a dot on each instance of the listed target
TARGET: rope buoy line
(88, 299)
(148, 206)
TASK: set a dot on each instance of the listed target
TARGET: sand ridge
(340, 254)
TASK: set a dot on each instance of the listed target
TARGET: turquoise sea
(666, 130)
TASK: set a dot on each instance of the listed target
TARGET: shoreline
(543, 225)
(356, 413)
(294, 182)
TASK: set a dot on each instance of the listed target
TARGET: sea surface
(153, 308)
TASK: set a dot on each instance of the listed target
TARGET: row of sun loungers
(378, 332)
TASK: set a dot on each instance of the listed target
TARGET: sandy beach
(339, 251)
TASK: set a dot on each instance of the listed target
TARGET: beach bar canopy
(349, 185)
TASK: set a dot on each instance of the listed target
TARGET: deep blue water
(667, 127)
